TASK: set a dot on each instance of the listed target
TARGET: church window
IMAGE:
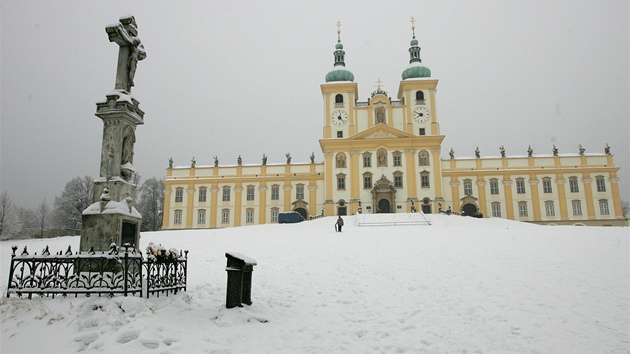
(496, 210)
(549, 208)
(573, 185)
(201, 216)
(250, 192)
(603, 207)
(249, 216)
(225, 216)
(274, 214)
(367, 160)
(339, 98)
(423, 158)
(202, 194)
(179, 195)
(467, 187)
(547, 185)
(577, 207)
(341, 160)
(367, 181)
(178, 217)
(397, 158)
(494, 186)
(419, 97)
(601, 183)
(340, 134)
(341, 182)
(522, 209)
(226, 194)
(422, 131)
(424, 180)
(299, 191)
(398, 179)
(275, 192)
(520, 186)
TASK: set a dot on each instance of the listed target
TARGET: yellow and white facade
(385, 156)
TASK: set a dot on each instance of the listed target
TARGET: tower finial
(338, 31)
(413, 26)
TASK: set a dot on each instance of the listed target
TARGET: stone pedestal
(112, 218)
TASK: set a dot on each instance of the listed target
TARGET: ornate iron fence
(119, 271)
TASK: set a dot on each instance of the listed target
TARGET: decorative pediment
(381, 131)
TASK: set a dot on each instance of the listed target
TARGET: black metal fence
(122, 270)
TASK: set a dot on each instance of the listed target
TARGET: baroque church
(385, 156)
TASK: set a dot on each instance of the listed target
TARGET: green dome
(339, 46)
(415, 72)
(339, 74)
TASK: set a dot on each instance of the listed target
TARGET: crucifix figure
(125, 34)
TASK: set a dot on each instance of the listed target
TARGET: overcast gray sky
(218, 74)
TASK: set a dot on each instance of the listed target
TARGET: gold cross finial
(378, 84)
(413, 25)
(338, 27)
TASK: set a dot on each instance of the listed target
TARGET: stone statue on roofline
(216, 161)
(477, 153)
(581, 149)
(451, 153)
(193, 162)
(288, 155)
(554, 150)
(264, 160)
(170, 163)
(607, 149)
(239, 161)
(530, 151)
(502, 150)
(312, 157)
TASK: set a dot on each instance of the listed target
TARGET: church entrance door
(384, 206)
(469, 209)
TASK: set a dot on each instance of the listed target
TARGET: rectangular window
(423, 131)
(226, 194)
(249, 216)
(398, 181)
(573, 185)
(367, 161)
(299, 192)
(494, 187)
(520, 187)
(424, 181)
(397, 160)
(275, 193)
(178, 217)
(340, 134)
(603, 208)
(549, 209)
(341, 183)
(522, 209)
(201, 217)
(496, 210)
(202, 195)
(367, 182)
(274, 215)
(547, 186)
(601, 185)
(250, 193)
(225, 217)
(179, 195)
(467, 188)
(577, 207)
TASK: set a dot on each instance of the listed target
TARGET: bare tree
(43, 217)
(625, 207)
(151, 204)
(69, 207)
(10, 222)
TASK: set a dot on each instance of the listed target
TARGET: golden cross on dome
(338, 27)
(378, 84)
(413, 25)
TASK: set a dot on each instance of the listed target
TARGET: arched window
(420, 97)
(339, 98)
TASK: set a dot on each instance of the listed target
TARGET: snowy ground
(458, 285)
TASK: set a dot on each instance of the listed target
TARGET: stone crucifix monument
(112, 218)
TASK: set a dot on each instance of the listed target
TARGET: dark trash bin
(239, 281)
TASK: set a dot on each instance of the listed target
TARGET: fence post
(14, 248)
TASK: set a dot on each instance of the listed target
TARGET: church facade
(385, 156)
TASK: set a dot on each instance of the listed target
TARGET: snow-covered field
(458, 285)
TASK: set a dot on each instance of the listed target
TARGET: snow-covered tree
(43, 212)
(151, 204)
(69, 206)
(10, 222)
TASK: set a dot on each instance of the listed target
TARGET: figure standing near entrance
(339, 223)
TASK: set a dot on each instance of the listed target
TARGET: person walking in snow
(339, 223)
